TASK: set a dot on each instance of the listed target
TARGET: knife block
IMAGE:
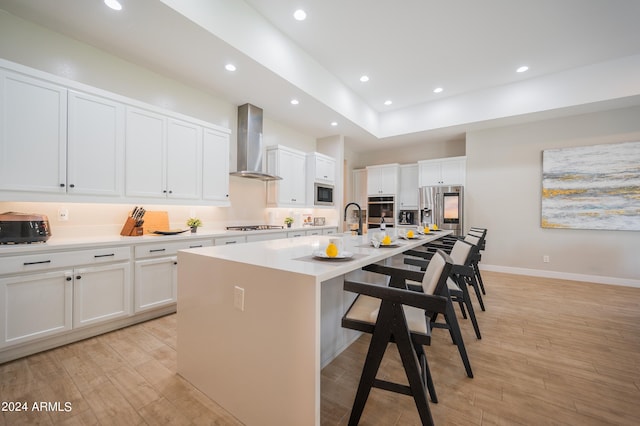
(130, 229)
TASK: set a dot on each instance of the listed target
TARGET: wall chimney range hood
(250, 144)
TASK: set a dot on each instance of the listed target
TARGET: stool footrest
(392, 387)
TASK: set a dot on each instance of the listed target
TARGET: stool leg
(426, 373)
(377, 347)
(410, 363)
(454, 329)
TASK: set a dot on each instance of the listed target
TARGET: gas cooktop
(253, 227)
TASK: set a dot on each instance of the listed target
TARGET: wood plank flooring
(553, 352)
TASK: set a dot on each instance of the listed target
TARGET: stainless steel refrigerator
(443, 206)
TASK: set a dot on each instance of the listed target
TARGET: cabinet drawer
(230, 240)
(168, 248)
(41, 261)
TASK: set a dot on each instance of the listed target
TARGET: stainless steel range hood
(250, 144)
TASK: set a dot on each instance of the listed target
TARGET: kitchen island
(258, 321)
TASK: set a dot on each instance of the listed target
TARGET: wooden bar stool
(396, 314)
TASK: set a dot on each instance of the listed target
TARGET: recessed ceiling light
(113, 4)
(388, 102)
(334, 123)
(364, 78)
(230, 67)
(522, 68)
(300, 15)
(294, 102)
(437, 90)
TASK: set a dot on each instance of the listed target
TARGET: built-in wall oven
(379, 208)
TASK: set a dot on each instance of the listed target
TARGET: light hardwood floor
(553, 352)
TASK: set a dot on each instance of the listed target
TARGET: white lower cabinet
(156, 272)
(35, 306)
(156, 283)
(101, 293)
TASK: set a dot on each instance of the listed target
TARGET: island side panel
(260, 364)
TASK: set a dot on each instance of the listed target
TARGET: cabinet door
(215, 166)
(95, 145)
(453, 172)
(297, 171)
(373, 181)
(360, 187)
(101, 293)
(389, 180)
(155, 283)
(429, 173)
(408, 197)
(35, 306)
(291, 167)
(325, 169)
(145, 154)
(33, 134)
(382, 180)
(184, 160)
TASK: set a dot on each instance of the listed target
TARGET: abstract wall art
(592, 187)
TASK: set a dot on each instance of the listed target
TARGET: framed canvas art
(592, 187)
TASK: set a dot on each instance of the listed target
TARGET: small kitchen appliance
(28, 228)
(323, 194)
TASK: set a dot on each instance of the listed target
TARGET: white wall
(503, 194)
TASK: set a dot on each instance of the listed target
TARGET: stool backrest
(434, 280)
(460, 253)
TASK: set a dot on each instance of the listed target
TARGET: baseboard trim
(628, 282)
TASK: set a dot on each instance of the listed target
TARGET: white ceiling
(407, 47)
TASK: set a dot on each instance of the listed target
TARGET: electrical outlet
(545, 258)
(63, 215)
(238, 298)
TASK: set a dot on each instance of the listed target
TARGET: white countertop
(70, 243)
(294, 254)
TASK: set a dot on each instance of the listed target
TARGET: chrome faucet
(359, 215)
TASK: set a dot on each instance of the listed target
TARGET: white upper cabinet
(184, 160)
(382, 180)
(215, 166)
(290, 165)
(408, 197)
(95, 150)
(33, 134)
(321, 168)
(163, 156)
(145, 154)
(360, 187)
(446, 171)
(62, 141)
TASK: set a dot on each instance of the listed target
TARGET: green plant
(194, 222)
(288, 220)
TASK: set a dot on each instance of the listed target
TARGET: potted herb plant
(194, 223)
(288, 221)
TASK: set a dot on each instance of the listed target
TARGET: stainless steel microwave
(323, 194)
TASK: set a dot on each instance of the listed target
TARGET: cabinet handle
(72, 186)
(36, 263)
(195, 246)
(164, 191)
(68, 278)
(230, 242)
(62, 185)
(104, 255)
(78, 277)
(170, 192)
(156, 250)
(175, 263)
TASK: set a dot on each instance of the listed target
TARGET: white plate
(323, 255)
